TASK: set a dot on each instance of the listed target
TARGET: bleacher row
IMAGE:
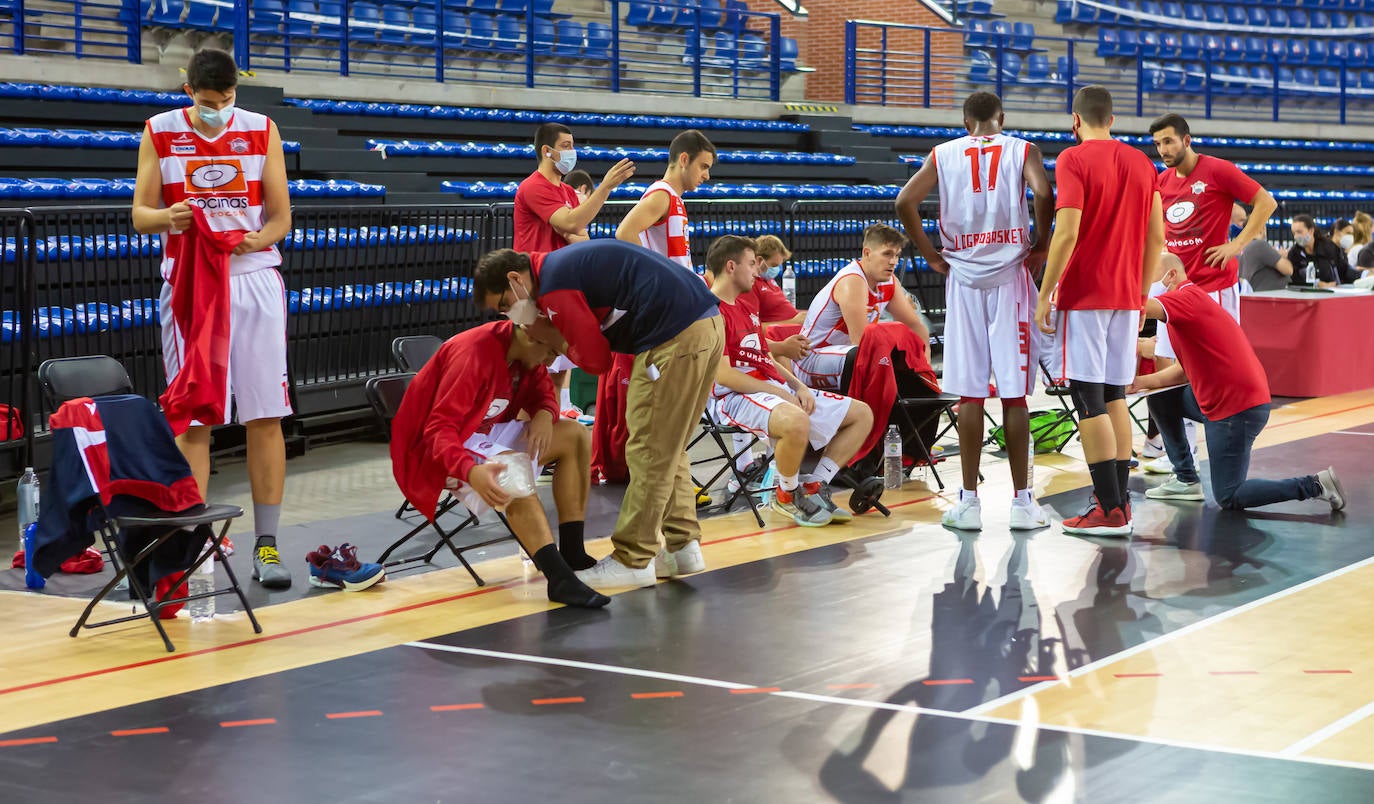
(82, 138)
(1274, 19)
(633, 190)
(944, 132)
(1255, 168)
(43, 188)
(506, 151)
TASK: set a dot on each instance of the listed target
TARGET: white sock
(741, 440)
(565, 398)
(1190, 430)
(965, 494)
(826, 470)
(1023, 497)
(787, 482)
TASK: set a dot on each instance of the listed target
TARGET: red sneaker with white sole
(1096, 522)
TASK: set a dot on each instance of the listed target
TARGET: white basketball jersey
(984, 217)
(825, 326)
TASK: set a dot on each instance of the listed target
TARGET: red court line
(755, 690)
(1328, 672)
(258, 640)
(1321, 416)
(1037, 678)
(457, 707)
(850, 686)
(553, 701)
(642, 696)
(942, 682)
(234, 724)
(365, 713)
(1137, 675)
(1232, 672)
(26, 741)
(137, 732)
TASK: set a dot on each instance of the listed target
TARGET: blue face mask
(566, 161)
(1234, 232)
(772, 272)
(215, 118)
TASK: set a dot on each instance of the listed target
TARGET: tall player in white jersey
(989, 255)
(659, 221)
(228, 162)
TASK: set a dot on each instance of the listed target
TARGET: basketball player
(1108, 235)
(988, 257)
(228, 162)
(754, 393)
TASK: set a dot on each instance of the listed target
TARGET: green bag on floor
(1050, 430)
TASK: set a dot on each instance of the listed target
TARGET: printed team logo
(751, 341)
(239, 146)
(754, 319)
(215, 176)
(1180, 211)
(184, 145)
(1199, 187)
(497, 407)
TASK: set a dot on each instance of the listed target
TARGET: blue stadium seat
(297, 25)
(1255, 50)
(1068, 12)
(727, 52)
(639, 14)
(1318, 51)
(712, 14)
(788, 53)
(1319, 21)
(266, 19)
(1148, 46)
(1038, 71)
(1306, 77)
(508, 36)
(1263, 79)
(977, 34)
(1190, 47)
(1215, 14)
(201, 15)
(455, 30)
(1234, 49)
(569, 40)
(1169, 45)
(167, 13)
(487, 6)
(1001, 33)
(1357, 53)
(544, 36)
(1298, 18)
(1329, 81)
(753, 51)
(1023, 36)
(1257, 17)
(333, 12)
(363, 22)
(1278, 18)
(1153, 9)
(598, 42)
(1066, 68)
(481, 32)
(395, 19)
(426, 24)
(1237, 15)
(1194, 14)
(1213, 47)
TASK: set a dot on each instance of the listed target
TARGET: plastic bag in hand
(518, 477)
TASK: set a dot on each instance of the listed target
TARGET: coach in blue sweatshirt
(602, 296)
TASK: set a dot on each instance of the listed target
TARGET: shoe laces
(807, 504)
(344, 557)
(268, 555)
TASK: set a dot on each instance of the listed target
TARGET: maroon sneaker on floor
(1097, 522)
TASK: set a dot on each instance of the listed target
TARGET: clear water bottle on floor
(26, 493)
(789, 285)
(892, 458)
(202, 581)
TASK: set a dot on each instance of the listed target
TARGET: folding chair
(919, 411)
(65, 379)
(718, 434)
(1066, 413)
(385, 395)
(411, 352)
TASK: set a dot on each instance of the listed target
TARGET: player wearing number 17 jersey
(988, 255)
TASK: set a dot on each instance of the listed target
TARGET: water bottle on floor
(203, 610)
(26, 493)
(892, 458)
(31, 577)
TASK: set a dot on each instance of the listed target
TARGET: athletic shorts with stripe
(751, 412)
(824, 366)
(1099, 345)
(503, 438)
(988, 338)
(257, 387)
(1228, 298)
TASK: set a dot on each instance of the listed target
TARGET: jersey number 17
(975, 164)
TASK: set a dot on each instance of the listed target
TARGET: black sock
(1105, 484)
(1123, 480)
(570, 544)
(564, 587)
(265, 541)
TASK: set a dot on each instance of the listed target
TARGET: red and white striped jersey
(222, 176)
(824, 325)
(670, 236)
(984, 217)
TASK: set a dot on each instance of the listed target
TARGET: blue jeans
(1228, 452)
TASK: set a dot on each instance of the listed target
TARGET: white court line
(885, 705)
(1350, 432)
(1169, 637)
(1324, 734)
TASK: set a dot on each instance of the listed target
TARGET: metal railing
(893, 64)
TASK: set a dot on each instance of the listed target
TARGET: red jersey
(536, 201)
(1113, 185)
(744, 343)
(467, 387)
(1226, 376)
(771, 302)
(1197, 216)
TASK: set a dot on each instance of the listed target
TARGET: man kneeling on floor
(1228, 393)
(750, 394)
(457, 424)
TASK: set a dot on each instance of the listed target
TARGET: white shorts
(988, 337)
(1099, 345)
(257, 347)
(823, 368)
(505, 437)
(751, 412)
(1228, 298)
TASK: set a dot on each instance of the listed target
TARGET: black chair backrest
(413, 351)
(66, 378)
(384, 394)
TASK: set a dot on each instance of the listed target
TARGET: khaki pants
(661, 416)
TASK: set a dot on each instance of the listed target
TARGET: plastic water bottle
(31, 577)
(789, 285)
(892, 458)
(203, 610)
(27, 495)
(1311, 274)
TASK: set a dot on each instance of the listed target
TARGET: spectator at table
(1342, 230)
(1313, 247)
(1363, 228)
(1261, 264)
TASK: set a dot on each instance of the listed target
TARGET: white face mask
(1347, 241)
(523, 312)
(215, 118)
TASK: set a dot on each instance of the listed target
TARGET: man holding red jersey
(1229, 395)
(1108, 235)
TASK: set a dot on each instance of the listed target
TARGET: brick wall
(820, 40)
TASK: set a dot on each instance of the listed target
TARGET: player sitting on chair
(752, 393)
(459, 419)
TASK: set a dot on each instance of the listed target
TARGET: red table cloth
(1311, 344)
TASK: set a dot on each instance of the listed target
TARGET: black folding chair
(413, 351)
(1066, 412)
(917, 412)
(65, 379)
(385, 395)
(718, 434)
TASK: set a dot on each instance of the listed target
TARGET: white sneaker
(1175, 489)
(611, 573)
(1028, 516)
(1160, 466)
(1154, 447)
(687, 560)
(665, 564)
(967, 515)
(1332, 491)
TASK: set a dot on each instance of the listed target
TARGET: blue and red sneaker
(340, 569)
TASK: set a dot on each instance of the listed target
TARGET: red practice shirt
(1197, 216)
(744, 341)
(1226, 376)
(771, 302)
(1113, 185)
(536, 201)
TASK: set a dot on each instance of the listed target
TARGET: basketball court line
(1151, 644)
(967, 715)
(1320, 736)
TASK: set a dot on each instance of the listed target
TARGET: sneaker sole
(797, 518)
(1339, 502)
(1165, 495)
(957, 526)
(1101, 530)
(347, 586)
(271, 584)
(1044, 523)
